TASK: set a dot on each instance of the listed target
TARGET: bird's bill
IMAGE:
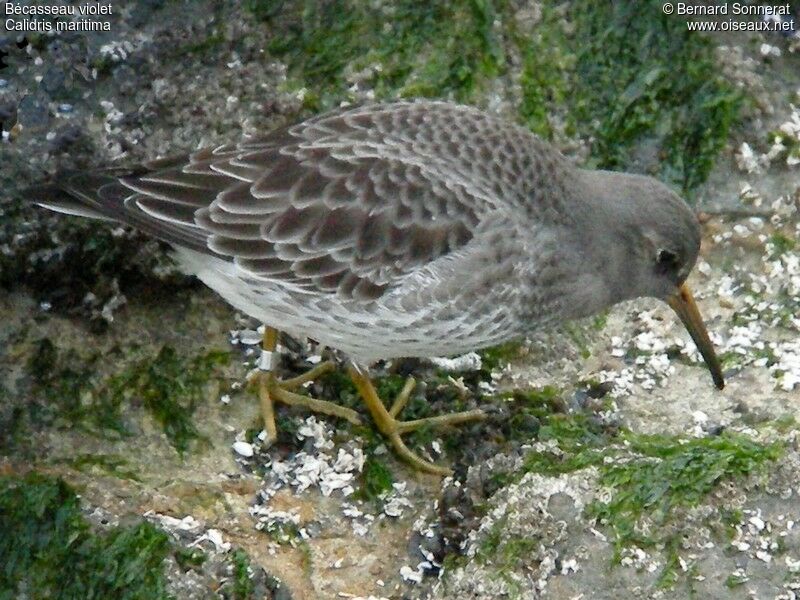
(683, 303)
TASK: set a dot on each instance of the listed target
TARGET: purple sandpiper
(407, 229)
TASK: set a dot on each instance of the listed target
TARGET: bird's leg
(266, 381)
(271, 389)
(392, 428)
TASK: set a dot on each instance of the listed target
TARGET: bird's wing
(348, 203)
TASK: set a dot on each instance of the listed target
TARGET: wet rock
(430, 547)
(33, 113)
(8, 115)
(65, 137)
(457, 516)
(579, 400)
(124, 76)
(600, 390)
(279, 591)
(53, 81)
(143, 11)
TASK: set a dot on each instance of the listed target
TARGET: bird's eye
(667, 262)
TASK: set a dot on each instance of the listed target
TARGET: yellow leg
(265, 383)
(389, 426)
(271, 389)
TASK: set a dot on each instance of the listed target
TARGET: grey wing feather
(347, 203)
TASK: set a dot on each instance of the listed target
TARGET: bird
(401, 229)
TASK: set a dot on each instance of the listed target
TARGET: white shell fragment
(243, 449)
(466, 362)
(410, 575)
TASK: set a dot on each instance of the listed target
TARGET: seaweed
(48, 550)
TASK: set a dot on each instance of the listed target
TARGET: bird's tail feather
(92, 195)
(102, 195)
(79, 193)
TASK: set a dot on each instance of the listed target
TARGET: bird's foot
(272, 389)
(389, 426)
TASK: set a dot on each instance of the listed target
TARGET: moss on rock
(652, 478)
(67, 389)
(594, 67)
(49, 551)
(407, 48)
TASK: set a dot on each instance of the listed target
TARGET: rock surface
(624, 473)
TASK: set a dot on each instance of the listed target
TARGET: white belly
(365, 331)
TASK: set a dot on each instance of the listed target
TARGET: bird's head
(646, 239)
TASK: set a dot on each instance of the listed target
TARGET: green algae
(544, 83)
(169, 387)
(107, 464)
(734, 580)
(48, 550)
(282, 532)
(649, 477)
(62, 382)
(593, 72)
(190, 558)
(631, 89)
(780, 244)
(409, 48)
(243, 588)
(662, 474)
(791, 146)
(499, 356)
(506, 553)
(375, 479)
(529, 409)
